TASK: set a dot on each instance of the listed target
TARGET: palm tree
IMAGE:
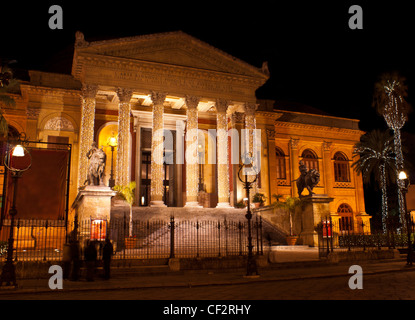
(389, 101)
(127, 193)
(376, 158)
(290, 204)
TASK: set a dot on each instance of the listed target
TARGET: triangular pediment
(173, 48)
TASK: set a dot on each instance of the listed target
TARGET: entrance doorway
(170, 173)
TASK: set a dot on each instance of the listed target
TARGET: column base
(223, 205)
(159, 204)
(192, 204)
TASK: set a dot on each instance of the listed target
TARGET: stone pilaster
(295, 172)
(87, 129)
(123, 170)
(157, 170)
(222, 155)
(192, 167)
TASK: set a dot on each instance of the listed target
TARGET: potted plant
(258, 199)
(127, 193)
(290, 204)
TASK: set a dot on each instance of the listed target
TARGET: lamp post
(112, 142)
(248, 175)
(404, 185)
(8, 274)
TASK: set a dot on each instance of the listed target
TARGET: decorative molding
(59, 124)
(270, 133)
(32, 113)
(294, 143)
(80, 40)
(327, 145)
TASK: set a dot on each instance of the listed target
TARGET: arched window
(310, 159)
(341, 168)
(280, 164)
(346, 217)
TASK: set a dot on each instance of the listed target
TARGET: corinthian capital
(89, 90)
(124, 94)
(158, 97)
(221, 105)
(250, 108)
(192, 101)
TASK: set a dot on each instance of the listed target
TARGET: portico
(170, 81)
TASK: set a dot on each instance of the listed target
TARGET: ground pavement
(297, 271)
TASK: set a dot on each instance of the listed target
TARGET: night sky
(314, 57)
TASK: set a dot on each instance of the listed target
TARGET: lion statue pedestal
(316, 206)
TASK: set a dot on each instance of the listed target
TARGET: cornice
(282, 124)
(50, 90)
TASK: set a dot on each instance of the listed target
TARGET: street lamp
(112, 142)
(404, 185)
(16, 165)
(248, 174)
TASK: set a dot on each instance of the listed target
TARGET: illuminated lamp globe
(18, 151)
(402, 175)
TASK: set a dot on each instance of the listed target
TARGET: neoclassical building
(131, 88)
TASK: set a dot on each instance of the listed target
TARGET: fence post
(240, 237)
(171, 237)
(261, 236)
(219, 235)
(327, 235)
(46, 239)
(197, 238)
(331, 233)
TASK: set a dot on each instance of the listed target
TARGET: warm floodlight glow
(18, 151)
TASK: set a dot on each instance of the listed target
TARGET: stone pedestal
(93, 202)
(316, 206)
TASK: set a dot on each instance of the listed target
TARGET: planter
(257, 204)
(291, 240)
(131, 243)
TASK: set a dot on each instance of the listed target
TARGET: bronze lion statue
(308, 181)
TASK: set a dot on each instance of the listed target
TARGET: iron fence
(348, 235)
(41, 240)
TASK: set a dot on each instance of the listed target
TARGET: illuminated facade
(133, 87)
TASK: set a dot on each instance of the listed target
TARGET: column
(251, 139)
(222, 154)
(87, 129)
(123, 171)
(157, 170)
(192, 167)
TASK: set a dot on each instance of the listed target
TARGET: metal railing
(42, 240)
(349, 235)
